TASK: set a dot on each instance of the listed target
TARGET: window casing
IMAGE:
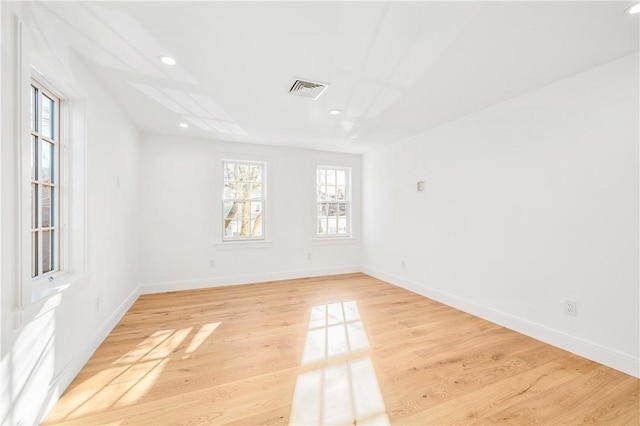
(243, 200)
(333, 205)
(44, 180)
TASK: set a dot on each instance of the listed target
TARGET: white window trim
(35, 297)
(58, 199)
(348, 237)
(220, 242)
(263, 199)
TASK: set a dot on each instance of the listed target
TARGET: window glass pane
(340, 193)
(243, 172)
(331, 192)
(340, 177)
(46, 161)
(231, 229)
(33, 160)
(47, 117)
(256, 227)
(322, 226)
(229, 192)
(331, 177)
(47, 206)
(241, 190)
(229, 171)
(256, 173)
(332, 225)
(34, 205)
(47, 258)
(342, 209)
(342, 225)
(34, 254)
(322, 209)
(322, 193)
(244, 212)
(256, 209)
(230, 209)
(32, 112)
(322, 176)
(255, 190)
(333, 209)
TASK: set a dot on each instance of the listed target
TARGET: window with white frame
(45, 180)
(243, 200)
(333, 201)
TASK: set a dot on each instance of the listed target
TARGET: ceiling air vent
(308, 89)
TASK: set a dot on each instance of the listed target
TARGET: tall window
(45, 113)
(243, 200)
(333, 209)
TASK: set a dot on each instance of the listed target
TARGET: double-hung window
(333, 201)
(243, 200)
(45, 180)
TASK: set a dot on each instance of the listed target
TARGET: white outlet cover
(570, 307)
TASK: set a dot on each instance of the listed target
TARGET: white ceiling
(395, 69)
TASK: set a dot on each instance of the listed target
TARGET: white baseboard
(603, 355)
(162, 287)
(69, 372)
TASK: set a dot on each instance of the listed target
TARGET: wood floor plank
(236, 355)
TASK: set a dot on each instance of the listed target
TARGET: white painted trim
(163, 287)
(69, 372)
(593, 351)
(330, 241)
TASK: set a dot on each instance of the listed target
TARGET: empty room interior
(421, 213)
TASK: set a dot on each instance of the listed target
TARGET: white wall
(527, 203)
(42, 352)
(181, 210)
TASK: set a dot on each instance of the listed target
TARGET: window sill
(244, 244)
(44, 288)
(46, 296)
(333, 241)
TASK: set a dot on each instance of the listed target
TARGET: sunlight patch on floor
(127, 380)
(202, 335)
(346, 393)
(334, 329)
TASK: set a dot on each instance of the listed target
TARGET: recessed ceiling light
(635, 9)
(167, 60)
(335, 111)
(184, 125)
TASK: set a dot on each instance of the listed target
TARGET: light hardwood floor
(302, 349)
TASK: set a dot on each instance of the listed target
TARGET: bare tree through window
(243, 200)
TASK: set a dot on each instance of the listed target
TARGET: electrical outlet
(309, 257)
(570, 307)
(97, 303)
(403, 264)
(212, 263)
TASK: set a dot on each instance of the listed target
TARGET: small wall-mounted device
(420, 186)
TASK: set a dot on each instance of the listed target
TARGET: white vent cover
(307, 88)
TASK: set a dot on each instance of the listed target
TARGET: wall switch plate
(570, 307)
(420, 186)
